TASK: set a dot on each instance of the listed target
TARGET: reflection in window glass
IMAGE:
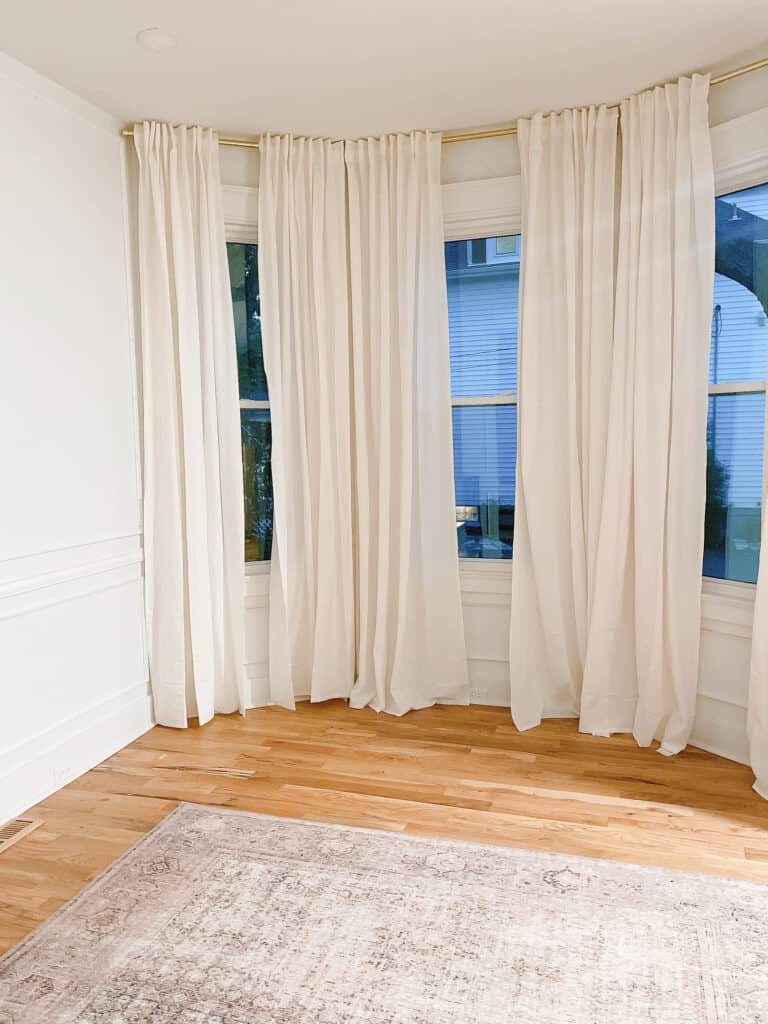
(485, 453)
(244, 281)
(739, 321)
(734, 486)
(256, 435)
(483, 289)
(735, 424)
(483, 277)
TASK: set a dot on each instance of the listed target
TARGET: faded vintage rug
(224, 917)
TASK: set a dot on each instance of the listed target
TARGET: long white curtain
(642, 614)
(193, 488)
(305, 318)
(410, 634)
(757, 707)
(569, 174)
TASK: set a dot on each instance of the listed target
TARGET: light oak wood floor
(456, 772)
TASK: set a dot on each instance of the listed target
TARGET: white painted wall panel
(73, 677)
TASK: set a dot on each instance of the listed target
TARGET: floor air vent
(15, 830)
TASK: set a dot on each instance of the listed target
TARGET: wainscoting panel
(257, 636)
(75, 681)
(73, 673)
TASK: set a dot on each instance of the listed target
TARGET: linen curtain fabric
(365, 598)
(757, 704)
(305, 321)
(643, 646)
(569, 171)
(409, 621)
(640, 610)
(193, 488)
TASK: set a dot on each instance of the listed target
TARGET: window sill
(503, 566)
(727, 607)
(257, 568)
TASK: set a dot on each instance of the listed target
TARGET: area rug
(226, 917)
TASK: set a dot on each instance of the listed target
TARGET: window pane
(485, 454)
(483, 285)
(256, 433)
(739, 322)
(734, 482)
(244, 281)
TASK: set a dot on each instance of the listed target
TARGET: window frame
(500, 398)
(730, 178)
(246, 234)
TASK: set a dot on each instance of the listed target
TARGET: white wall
(73, 678)
(481, 196)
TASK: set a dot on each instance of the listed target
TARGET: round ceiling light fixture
(156, 39)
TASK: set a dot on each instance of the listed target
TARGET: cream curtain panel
(636, 582)
(410, 632)
(193, 488)
(757, 706)
(356, 352)
(305, 330)
(569, 170)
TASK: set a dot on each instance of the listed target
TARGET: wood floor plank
(459, 773)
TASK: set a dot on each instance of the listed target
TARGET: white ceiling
(355, 67)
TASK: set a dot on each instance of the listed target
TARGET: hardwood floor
(461, 773)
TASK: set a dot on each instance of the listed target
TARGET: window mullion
(505, 398)
(744, 387)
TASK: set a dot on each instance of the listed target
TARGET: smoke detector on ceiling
(156, 39)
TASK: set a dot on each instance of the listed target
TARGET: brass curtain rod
(497, 133)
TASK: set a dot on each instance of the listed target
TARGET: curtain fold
(305, 330)
(643, 646)
(410, 635)
(569, 170)
(193, 488)
(621, 616)
(757, 702)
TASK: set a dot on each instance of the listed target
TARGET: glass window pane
(483, 287)
(244, 281)
(735, 429)
(256, 434)
(485, 454)
(739, 321)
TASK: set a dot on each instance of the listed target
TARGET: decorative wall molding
(49, 760)
(481, 209)
(33, 582)
(740, 174)
(241, 212)
(739, 152)
(721, 728)
(727, 608)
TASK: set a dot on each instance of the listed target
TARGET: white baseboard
(39, 766)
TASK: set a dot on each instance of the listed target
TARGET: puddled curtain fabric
(410, 632)
(356, 353)
(193, 488)
(305, 330)
(638, 602)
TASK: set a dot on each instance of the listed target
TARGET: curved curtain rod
(497, 133)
